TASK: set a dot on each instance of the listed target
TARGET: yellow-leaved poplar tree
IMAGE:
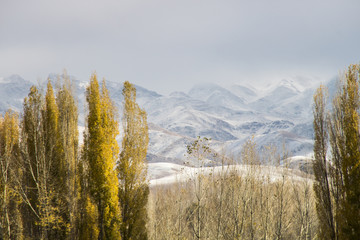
(100, 153)
(338, 178)
(349, 210)
(41, 163)
(51, 207)
(10, 217)
(132, 168)
(36, 166)
(67, 127)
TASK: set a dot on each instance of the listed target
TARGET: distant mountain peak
(14, 78)
(244, 91)
(178, 94)
(290, 84)
(275, 114)
(300, 83)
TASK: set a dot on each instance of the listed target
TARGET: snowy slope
(279, 113)
(168, 173)
(13, 89)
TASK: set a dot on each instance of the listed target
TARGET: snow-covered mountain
(13, 89)
(278, 114)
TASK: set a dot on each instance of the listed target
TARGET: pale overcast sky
(169, 45)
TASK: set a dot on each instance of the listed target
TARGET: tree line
(337, 158)
(230, 203)
(51, 187)
(236, 205)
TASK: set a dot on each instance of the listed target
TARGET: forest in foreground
(53, 187)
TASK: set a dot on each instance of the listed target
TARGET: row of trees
(337, 173)
(52, 188)
(236, 201)
(234, 205)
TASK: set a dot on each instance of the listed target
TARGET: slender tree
(339, 181)
(132, 168)
(199, 152)
(35, 166)
(87, 213)
(251, 158)
(322, 186)
(10, 218)
(336, 142)
(67, 146)
(101, 150)
(55, 220)
(41, 165)
(349, 211)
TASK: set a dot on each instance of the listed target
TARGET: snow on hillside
(168, 173)
(217, 96)
(248, 93)
(280, 113)
(13, 89)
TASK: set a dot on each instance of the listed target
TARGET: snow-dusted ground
(168, 173)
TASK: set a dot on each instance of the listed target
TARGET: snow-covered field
(168, 173)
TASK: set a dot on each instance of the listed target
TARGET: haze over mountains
(277, 114)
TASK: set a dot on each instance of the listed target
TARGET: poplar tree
(10, 216)
(52, 211)
(50, 123)
(322, 186)
(342, 176)
(132, 168)
(42, 166)
(67, 145)
(87, 213)
(100, 152)
(34, 163)
(349, 209)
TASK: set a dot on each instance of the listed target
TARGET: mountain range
(278, 114)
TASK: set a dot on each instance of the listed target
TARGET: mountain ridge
(280, 114)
